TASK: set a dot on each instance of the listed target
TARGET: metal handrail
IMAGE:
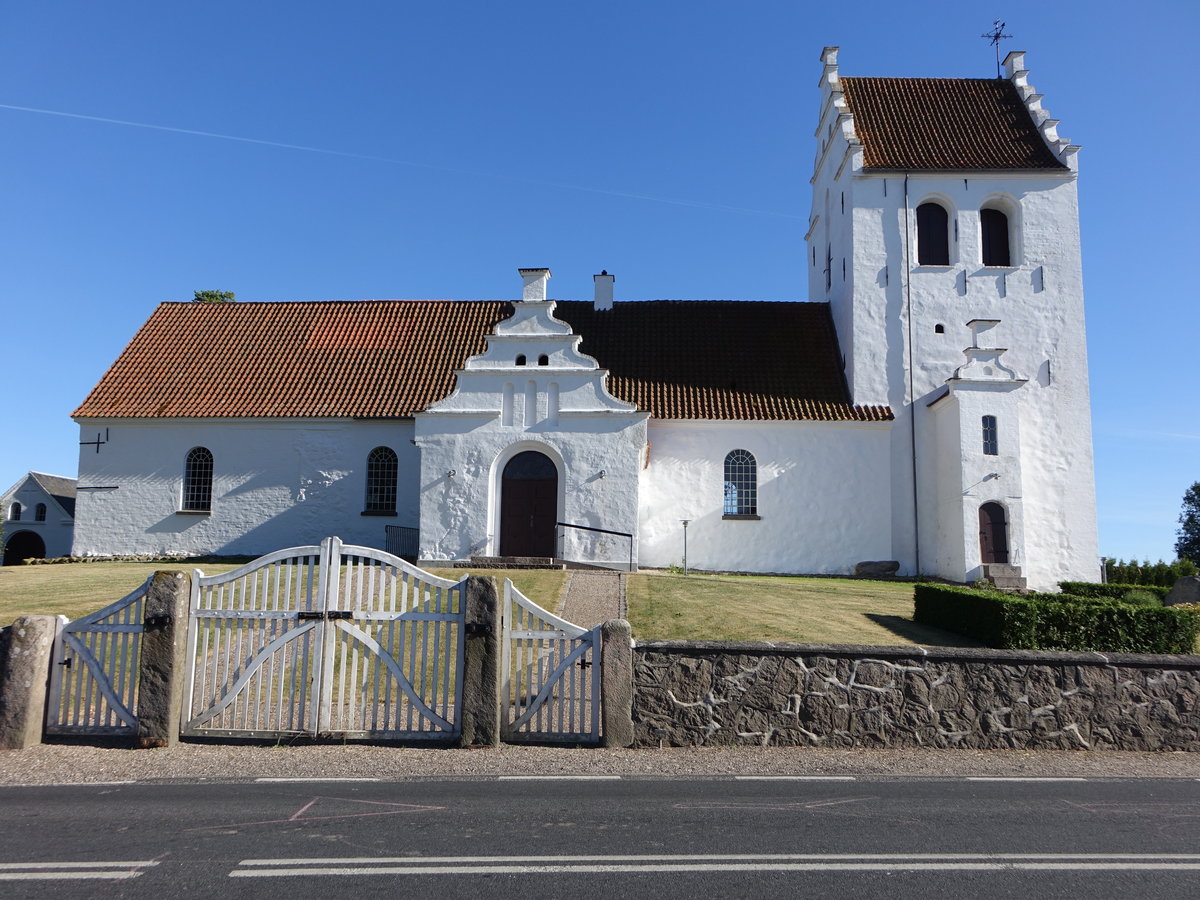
(624, 534)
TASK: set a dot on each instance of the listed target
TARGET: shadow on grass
(923, 634)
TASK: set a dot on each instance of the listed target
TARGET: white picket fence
(94, 676)
(325, 640)
(550, 672)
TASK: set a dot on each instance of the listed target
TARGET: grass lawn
(75, 589)
(775, 608)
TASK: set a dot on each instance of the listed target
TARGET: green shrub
(1141, 597)
(1109, 591)
(1162, 574)
(1057, 621)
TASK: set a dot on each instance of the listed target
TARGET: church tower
(944, 234)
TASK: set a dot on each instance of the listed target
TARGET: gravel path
(66, 764)
(593, 597)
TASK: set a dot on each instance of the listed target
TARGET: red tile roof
(390, 358)
(945, 123)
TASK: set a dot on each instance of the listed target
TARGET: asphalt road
(613, 837)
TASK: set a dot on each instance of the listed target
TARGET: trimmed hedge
(1110, 591)
(1056, 621)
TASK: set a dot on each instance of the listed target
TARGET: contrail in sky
(696, 204)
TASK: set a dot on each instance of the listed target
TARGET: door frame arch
(496, 488)
(1007, 532)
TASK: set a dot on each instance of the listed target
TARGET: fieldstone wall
(704, 693)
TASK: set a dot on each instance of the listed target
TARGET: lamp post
(685, 525)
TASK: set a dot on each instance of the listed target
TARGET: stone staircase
(1004, 576)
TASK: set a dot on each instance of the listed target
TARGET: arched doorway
(528, 505)
(22, 546)
(993, 534)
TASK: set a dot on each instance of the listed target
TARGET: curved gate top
(325, 640)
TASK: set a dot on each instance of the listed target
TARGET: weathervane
(994, 38)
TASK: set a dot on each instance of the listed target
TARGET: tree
(1187, 543)
(213, 297)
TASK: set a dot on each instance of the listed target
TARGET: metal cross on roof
(994, 38)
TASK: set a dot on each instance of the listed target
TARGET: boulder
(882, 568)
(1186, 590)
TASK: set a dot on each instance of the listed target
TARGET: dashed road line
(118, 870)
(558, 777)
(315, 780)
(794, 778)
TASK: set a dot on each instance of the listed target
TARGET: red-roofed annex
(799, 437)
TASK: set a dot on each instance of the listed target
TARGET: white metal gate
(325, 640)
(551, 674)
(93, 682)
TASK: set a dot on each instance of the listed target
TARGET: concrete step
(1008, 583)
(1001, 570)
(510, 562)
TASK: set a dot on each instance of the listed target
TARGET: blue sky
(448, 143)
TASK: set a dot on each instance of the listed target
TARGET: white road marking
(525, 865)
(558, 777)
(119, 870)
(75, 784)
(307, 780)
(794, 778)
(1021, 778)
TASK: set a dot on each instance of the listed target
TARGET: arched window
(520, 359)
(197, 480)
(382, 466)
(993, 228)
(741, 484)
(543, 360)
(39, 512)
(14, 512)
(933, 235)
(991, 440)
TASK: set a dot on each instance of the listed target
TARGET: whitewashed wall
(276, 483)
(824, 496)
(55, 532)
(499, 409)
(886, 300)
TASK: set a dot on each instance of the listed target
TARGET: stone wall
(726, 694)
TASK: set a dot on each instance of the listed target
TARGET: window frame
(196, 496)
(15, 510)
(989, 237)
(382, 478)
(926, 236)
(39, 513)
(991, 436)
(739, 486)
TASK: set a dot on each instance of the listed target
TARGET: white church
(928, 405)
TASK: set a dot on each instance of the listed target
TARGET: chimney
(534, 290)
(604, 290)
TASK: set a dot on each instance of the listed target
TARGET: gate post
(616, 683)
(481, 668)
(24, 671)
(162, 666)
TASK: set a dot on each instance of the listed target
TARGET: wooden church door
(993, 534)
(528, 505)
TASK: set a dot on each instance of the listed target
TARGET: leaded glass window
(991, 441)
(197, 480)
(741, 484)
(382, 466)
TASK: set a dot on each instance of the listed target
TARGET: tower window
(39, 513)
(828, 266)
(197, 480)
(520, 359)
(382, 466)
(741, 484)
(993, 227)
(933, 235)
(939, 329)
(991, 443)
(543, 360)
(14, 512)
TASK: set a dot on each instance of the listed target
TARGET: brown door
(528, 505)
(993, 534)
